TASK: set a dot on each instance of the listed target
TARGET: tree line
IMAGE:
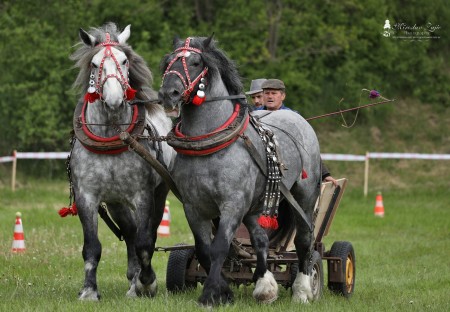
(323, 50)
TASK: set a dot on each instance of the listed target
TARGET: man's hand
(331, 179)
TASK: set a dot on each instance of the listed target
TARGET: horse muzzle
(170, 97)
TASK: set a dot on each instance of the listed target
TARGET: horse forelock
(140, 76)
(220, 66)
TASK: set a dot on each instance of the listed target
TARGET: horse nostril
(175, 93)
(169, 94)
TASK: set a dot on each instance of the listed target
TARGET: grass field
(402, 260)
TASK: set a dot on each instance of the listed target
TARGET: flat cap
(255, 86)
(273, 84)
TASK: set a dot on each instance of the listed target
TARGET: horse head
(193, 70)
(109, 69)
(111, 74)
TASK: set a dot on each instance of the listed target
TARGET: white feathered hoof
(88, 294)
(137, 289)
(131, 293)
(146, 290)
(266, 289)
(301, 289)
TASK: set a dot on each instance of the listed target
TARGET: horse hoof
(266, 289)
(131, 293)
(214, 302)
(301, 289)
(145, 290)
(88, 294)
(209, 300)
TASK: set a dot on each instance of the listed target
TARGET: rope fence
(333, 157)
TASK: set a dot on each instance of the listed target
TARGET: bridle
(95, 90)
(188, 84)
(107, 145)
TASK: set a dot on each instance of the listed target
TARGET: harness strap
(157, 145)
(226, 97)
(141, 151)
(284, 190)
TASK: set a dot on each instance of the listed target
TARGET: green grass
(401, 259)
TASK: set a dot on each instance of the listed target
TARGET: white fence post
(14, 167)
(366, 175)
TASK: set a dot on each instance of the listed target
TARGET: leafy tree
(323, 51)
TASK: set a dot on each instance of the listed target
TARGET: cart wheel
(317, 275)
(344, 250)
(179, 261)
(316, 267)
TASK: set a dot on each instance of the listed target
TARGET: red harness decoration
(268, 222)
(72, 210)
(109, 139)
(189, 85)
(212, 150)
(129, 92)
(91, 97)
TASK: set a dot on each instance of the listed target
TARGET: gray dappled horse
(102, 168)
(220, 181)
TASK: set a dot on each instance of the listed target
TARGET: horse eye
(94, 65)
(125, 62)
(196, 62)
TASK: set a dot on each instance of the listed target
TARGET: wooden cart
(184, 270)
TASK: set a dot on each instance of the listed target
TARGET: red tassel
(64, 212)
(130, 93)
(304, 174)
(264, 221)
(198, 100)
(274, 224)
(91, 97)
(267, 222)
(74, 209)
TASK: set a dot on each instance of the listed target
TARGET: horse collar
(214, 141)
(110, 145)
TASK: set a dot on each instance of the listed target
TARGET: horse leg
(266, 288)
(145, 281)
(92, 248)
(123, 217)
(301, 288)
(216, 289)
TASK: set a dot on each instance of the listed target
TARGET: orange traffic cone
(164, 226)
(379, 208)
(18, 244)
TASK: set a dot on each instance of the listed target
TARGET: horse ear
(208, 41)
(123, 37)
(175, 41)
(86, 38)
